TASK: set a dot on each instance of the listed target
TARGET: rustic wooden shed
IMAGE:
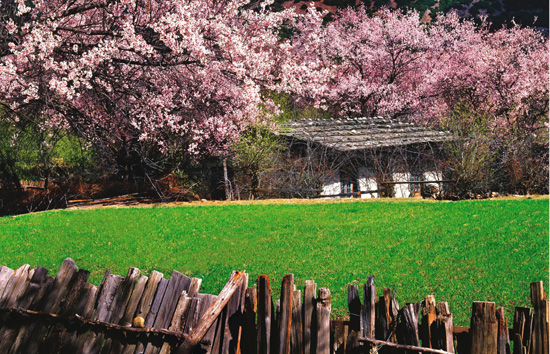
(372, 156)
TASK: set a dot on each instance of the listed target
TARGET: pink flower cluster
(186, 72)
(190, 73)
(392, 64)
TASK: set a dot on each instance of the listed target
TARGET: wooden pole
(407, 327)
(211, 314)
(429, 315)
(443, 328)
(264, 314)
(484, 328)
(368, 317)
(323, 321)
(539, 334)
(310, 289)
(285, 322)
(522, 329)
(503, 337)
(403, 346)
(354, 306)
(296, 340)
(249, 332)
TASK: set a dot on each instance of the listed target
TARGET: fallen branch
(403, 346)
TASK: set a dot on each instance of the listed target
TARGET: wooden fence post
(368, 313)
(250, 332)
(503, 341)
(178, 320)
(211, 314)
(310, 290)
(442, 329)
(386, 318)
(354, 307)
(50, 302)
(539, 334)
(285, 319)
(483, 328)
(339, 342)
(145, 303)
(407, 327)
(522, 329)
(265, 314)
(429, 315)
(296, 340)
(30, 285)
(323, 321)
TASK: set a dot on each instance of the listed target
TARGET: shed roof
(361, 133)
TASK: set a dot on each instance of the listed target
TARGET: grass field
(459, 251)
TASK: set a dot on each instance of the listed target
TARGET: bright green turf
(459, 251)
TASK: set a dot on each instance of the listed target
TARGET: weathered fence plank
(119, 305)
(211, 314)
(296, 340)
(10, 332)
(145, 300)
(265, 314)
(177, 283)
(354, 308)
(368, 315)
(180, 315)
(117, 347)
(323, 321)
(522, 329)
(15, 286)
(57, 332)
(104, 311)
(5, 276)
(50, 303)
(153, 311)
(442, 330)
(85, 307)
(250, 332)
(484, 328)
(194, 313)
(13, 298)
(339, 341)
(178, 320)
(539, 333)
(429, 316)
(407, 327)
(503, 337)
(310, 291)
(285, 318)
(233, 321)
(213, 334)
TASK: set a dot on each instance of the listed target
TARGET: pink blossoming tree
(141, 80)
(391, 64)
(132, 75)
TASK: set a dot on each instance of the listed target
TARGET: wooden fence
(139, 314)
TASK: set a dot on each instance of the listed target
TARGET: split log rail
(139, 314)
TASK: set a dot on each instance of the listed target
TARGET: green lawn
(459, 251)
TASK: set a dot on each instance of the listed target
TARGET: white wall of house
(401, 190)
(433, 176)
(332, 185)
(367, 182)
